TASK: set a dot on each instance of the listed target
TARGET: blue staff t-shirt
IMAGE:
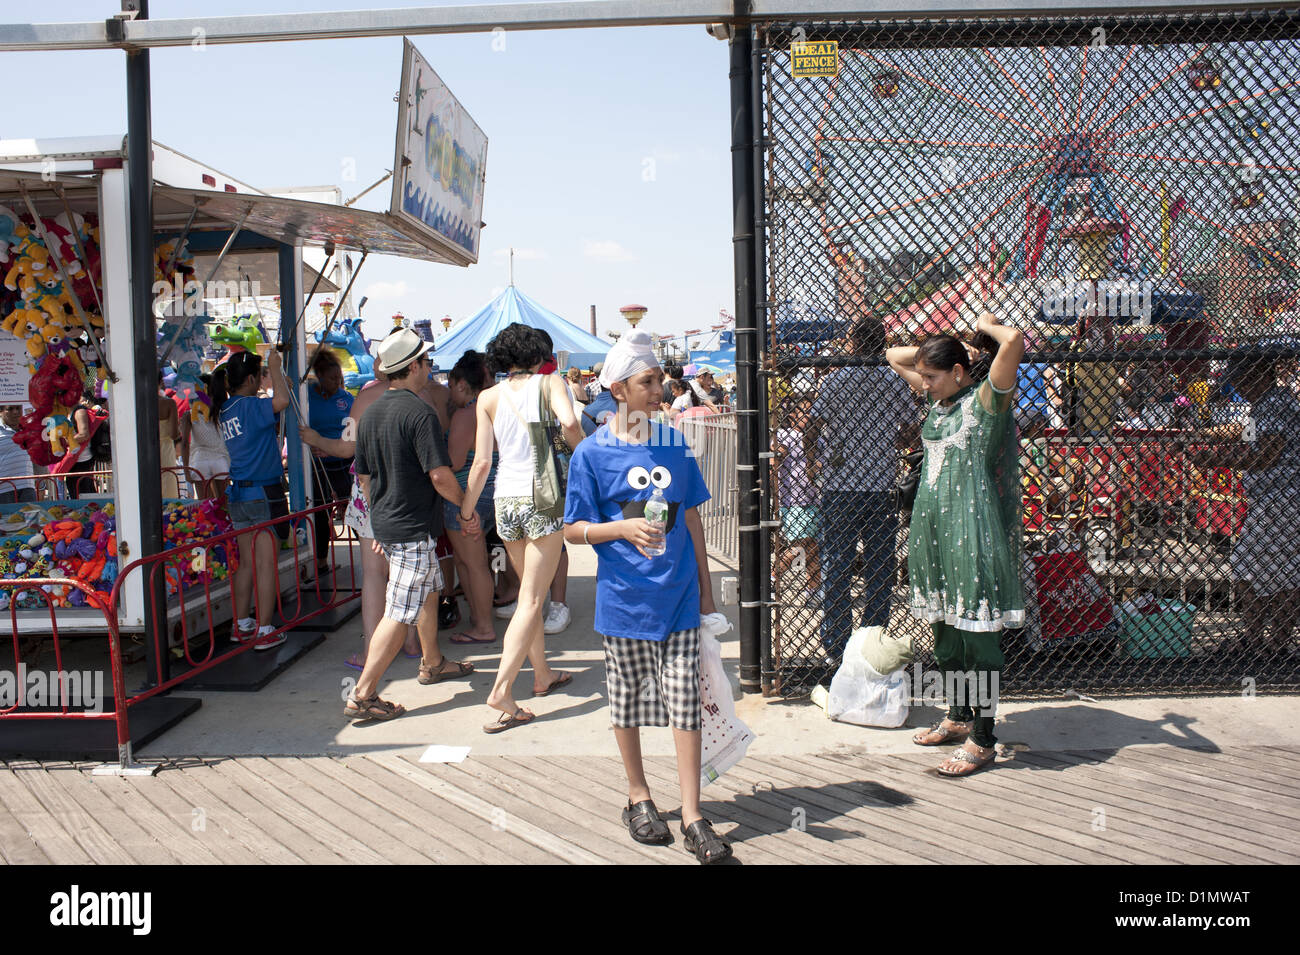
(326, 415)
(639, 597)
(247, 425)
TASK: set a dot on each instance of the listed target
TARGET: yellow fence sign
(814, 58)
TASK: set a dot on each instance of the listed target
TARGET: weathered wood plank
(17, 846)
(1128, 817)
(1195, 814)
(436, 779)
(945, 810)
(466, 831)
(224, 804)
(1253, 786)
(79, 787)
(436, 835)
(156, 806)
(326, 841)
(393, 838)
(770, 816)
(565, 809)
(853, 809)
(605, 774)
(64, 813)
(355, 838)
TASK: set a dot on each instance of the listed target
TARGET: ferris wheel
(1165, 163)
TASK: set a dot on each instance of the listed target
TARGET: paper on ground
(444, 754)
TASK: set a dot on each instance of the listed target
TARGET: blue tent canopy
(512, 306)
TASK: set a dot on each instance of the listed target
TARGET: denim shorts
(248, 513)
(485, 508)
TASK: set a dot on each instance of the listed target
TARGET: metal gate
(1123, 190)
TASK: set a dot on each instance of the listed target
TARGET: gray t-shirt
(399, 441)
(862, 410)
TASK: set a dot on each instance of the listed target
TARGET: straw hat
(400, 349)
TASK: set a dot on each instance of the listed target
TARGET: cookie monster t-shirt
(639, 597)
(247, 425)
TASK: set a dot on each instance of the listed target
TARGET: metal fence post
(747, 392)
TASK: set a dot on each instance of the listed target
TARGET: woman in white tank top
(532, 540)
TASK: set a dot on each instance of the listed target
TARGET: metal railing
(713, 440)
(195, 619)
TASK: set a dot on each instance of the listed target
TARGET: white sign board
(13, 370)
(441, 159)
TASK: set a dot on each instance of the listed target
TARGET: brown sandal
(938, 734)
(373, 709)
(429, 675)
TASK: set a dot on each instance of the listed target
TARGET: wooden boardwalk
(1158, 804)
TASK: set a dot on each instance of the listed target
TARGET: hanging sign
(13, 370)
(441, 160)
(814, 58)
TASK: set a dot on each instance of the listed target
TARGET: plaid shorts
(413, 574)
(516, 520)
(654, 682)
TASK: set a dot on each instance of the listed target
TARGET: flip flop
(465, 638)
(562, 680)
(355, 666)
(509, 722)
(413, 656)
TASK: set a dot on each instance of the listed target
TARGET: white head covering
(631, 354)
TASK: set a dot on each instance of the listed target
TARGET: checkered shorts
(413, 574)
(654, 682)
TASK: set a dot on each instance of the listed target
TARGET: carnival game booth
(153, 614)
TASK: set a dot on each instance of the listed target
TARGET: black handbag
(904, 491)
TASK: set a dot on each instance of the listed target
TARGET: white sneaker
(506, 611)
(242, 634)
(557, 618)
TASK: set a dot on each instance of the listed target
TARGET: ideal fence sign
(441, 159)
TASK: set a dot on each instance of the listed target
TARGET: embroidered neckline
(936, 449)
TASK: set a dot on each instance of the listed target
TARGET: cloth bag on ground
(724, 738)
(860, 693)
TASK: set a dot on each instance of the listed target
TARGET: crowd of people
(456, 462)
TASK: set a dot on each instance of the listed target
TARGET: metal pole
(747, 392)
(144, 341)
(593, 319)
(761, 306)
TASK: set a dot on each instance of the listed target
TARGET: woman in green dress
(964, 547)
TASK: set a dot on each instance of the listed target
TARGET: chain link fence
(1124, 191)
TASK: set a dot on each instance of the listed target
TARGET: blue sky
(608, 150)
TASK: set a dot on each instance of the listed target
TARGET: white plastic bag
(861, 695)
(724, 738)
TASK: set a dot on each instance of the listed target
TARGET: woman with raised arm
(964, 551)
(533, 540)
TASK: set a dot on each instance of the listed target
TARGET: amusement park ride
(1103, 198)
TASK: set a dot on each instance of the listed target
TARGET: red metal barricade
(189, 577)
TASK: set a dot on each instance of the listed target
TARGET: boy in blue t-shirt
(647, 607)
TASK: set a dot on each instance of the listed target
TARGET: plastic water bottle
(656, 512)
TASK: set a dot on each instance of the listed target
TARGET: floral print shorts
(357, 515)
(516, 520)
